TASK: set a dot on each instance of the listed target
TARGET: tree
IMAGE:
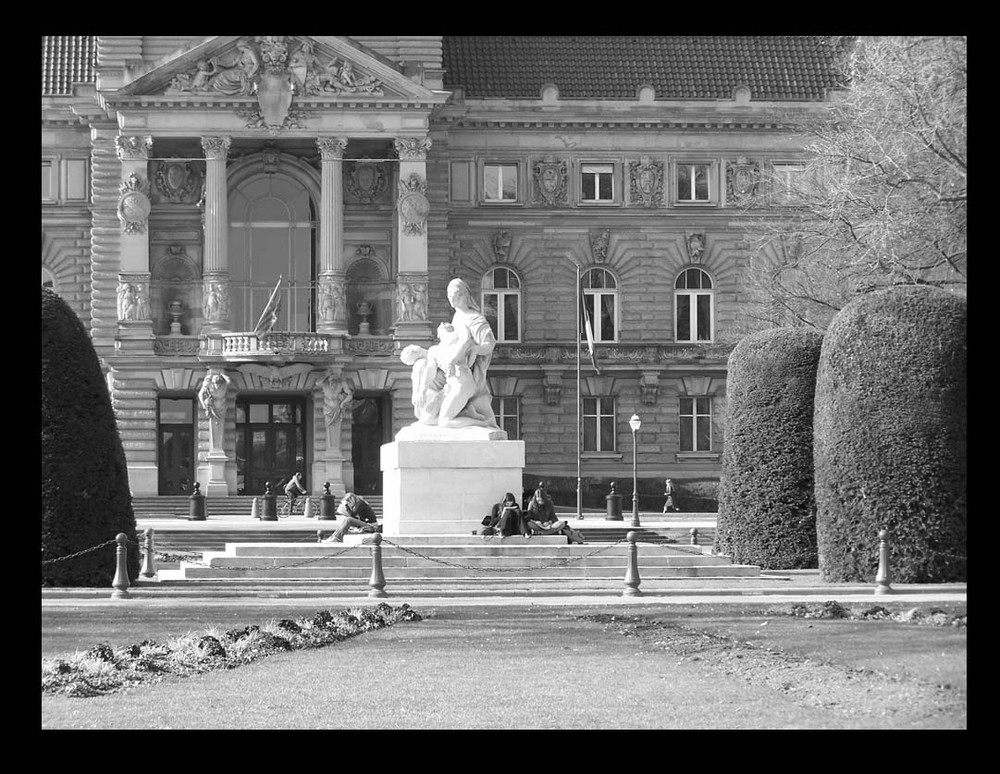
(882, 199)
(85, 489)
(766, 504)
(890, 434)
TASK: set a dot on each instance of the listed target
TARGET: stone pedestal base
(217, 485)
(446, 487)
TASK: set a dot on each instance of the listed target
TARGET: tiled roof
(66, 59)
(615, 66)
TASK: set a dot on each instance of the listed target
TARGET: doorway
(270, 443)
(370, 429)
(175, 446)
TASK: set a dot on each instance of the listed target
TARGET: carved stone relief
(599, 244)
(742, 180)
(501, 245)
(216, 304)
(177, 182)
(133, 299)
(411, 298)
(646, 182)
(133, 204)
(366, 181)
(413, 204)
(695, 242)
(550, 181)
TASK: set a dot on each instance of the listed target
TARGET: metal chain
(559, 563)
(81, 553)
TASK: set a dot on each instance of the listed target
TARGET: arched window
(600, 297)
(694, 302)
(272, 233)
(501, 303)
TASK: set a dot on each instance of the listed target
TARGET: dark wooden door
(270, 443)
(368, 433)
(175, 446)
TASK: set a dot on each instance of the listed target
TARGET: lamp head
(634, 422)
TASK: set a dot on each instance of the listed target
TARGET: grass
(669, 667)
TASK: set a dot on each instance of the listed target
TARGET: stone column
(332, 295)
(135, 329)
(412, 211)
(215, 272)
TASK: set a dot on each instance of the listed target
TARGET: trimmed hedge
(890, 437)
(86, 500)
(766, 503)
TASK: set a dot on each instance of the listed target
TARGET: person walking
(670, 493)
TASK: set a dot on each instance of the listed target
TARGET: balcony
(281, 346)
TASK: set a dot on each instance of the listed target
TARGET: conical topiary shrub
(85, 490)
(890, 437)
(766, 504)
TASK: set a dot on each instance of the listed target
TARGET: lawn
(610, 667)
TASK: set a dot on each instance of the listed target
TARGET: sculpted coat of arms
(550, 181)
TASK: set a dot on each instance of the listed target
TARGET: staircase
(233, 506)
(448, 562)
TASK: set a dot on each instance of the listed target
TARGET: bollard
(694, 536)
(255, 508)
(270, 502)
(196, 504)
(327, 504)
(148, 570)
(882, 579)
(632, 572)
(614, 504)
(319, 536)
(377, 581)
(120, 583)
(309, 507)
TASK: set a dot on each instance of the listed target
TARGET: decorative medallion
(366, 181)
(599, 244)
(550, 181)
(742, 180)
(177, 181)
(646, 182)
(413, 204)
(501, 245)
(134, 205)
(695, 246)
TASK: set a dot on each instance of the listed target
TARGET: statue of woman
(477, 344)
(212, 397)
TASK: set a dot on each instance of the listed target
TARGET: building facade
(254, 227)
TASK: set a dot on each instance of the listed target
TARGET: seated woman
(508, 518)
(541, 518)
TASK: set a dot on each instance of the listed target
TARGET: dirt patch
(859, 694)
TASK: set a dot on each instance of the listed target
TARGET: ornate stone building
(188, 182)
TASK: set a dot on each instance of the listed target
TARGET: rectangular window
(500, 182)
(695, 424)
(507, 411)
(48, 188)
(597, 182)
(501, 311)
(694, 316)
(604, 322)
(693, 182)
(460, 179)
(599, 424)
(787, 183)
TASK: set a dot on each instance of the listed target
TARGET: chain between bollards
(120, 583)
(632, 571)
(377, 581)
(882, 579)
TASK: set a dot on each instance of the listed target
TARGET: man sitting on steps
(354, 511)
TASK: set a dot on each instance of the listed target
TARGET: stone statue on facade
(212, 398)
(338, 395)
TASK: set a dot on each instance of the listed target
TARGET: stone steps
(457, 558)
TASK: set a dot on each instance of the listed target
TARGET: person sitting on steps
(507, 517)
(541, 518)
(354, 512)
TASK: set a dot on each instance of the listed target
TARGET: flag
(270, 314)
(590, 334)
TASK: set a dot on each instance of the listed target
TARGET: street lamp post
(635, 424)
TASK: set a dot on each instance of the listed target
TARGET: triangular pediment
(318, 69)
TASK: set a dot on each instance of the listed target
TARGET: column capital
(133, 148)
(216, 147)
(331, 148)
(412, 148)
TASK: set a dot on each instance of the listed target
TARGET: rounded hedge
(890, 437)
(766, 503)
(86, 500)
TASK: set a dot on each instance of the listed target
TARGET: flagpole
(579, 403)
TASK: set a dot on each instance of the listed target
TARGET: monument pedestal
(446, 486)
